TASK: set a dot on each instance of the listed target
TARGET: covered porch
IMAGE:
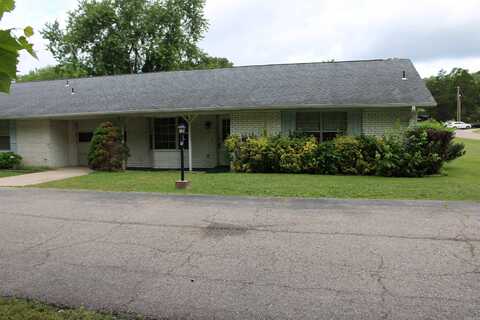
(154, 141)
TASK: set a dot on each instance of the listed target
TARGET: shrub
(389, 160)
(455, 150)
(414, 152)
(371, 148)
(272, 154)
(348, 152)
(431, 145)
(107, 152)
(9, 160)
(326, 158)
(357, 155)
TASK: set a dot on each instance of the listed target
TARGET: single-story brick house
(50, 123)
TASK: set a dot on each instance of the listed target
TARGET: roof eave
(220, 109)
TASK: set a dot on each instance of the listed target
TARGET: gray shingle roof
(350, 83)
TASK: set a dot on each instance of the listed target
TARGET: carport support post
(190, 118)
(413, 116)
(190, 146)
(124, 163)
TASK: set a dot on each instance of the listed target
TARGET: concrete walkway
(467, 134)
(41, 177)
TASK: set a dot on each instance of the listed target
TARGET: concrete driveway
(239, 258)
(468, 134)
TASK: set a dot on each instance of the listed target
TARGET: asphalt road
(238, 258)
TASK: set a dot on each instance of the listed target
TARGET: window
(166, 133)
(85, 136)
(225, 129)
(322, 125)
(4, 135)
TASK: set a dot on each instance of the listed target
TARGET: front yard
(460, 181)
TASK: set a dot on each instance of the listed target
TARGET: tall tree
(131, 36)
(444, 89)
(52, 73)
(10, 46)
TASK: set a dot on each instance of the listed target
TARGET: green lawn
(15, 309)
(9, 173)
(460, 181)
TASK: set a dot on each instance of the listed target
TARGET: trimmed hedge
(416, 152)
(9, 160)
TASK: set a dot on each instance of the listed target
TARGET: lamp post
(182, 183)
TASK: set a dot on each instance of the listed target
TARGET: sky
(435, 34)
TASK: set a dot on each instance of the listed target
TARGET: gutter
(218, 109)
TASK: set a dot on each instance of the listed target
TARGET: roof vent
(404, 75)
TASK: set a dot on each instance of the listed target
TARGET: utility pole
(459, 104)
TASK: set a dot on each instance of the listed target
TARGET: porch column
(190, 118)
(123, 127)
(413, 116)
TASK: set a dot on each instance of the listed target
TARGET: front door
(223, 133)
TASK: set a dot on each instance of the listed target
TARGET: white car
(458, 125)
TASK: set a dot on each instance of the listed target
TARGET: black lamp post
(182, 183)
(181, 132)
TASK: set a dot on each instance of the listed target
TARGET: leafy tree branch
(10, 46)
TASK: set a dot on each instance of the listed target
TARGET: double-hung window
(4, 135)
(322, 125)
(166, 135)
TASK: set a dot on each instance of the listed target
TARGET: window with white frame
(225, 129)
(4, 135)
(166, 133)
(323, 125)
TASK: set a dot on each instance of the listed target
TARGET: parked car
(458, 125)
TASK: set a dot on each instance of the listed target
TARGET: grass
(16, 309)
(476, 130)
(23, 170)
(460, 181)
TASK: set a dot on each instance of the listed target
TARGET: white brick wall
(58, 144)
(256, 122)
(138, 137)
(43, 142)
(378, 122)
(33, 137)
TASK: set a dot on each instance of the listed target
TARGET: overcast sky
(435, 34)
